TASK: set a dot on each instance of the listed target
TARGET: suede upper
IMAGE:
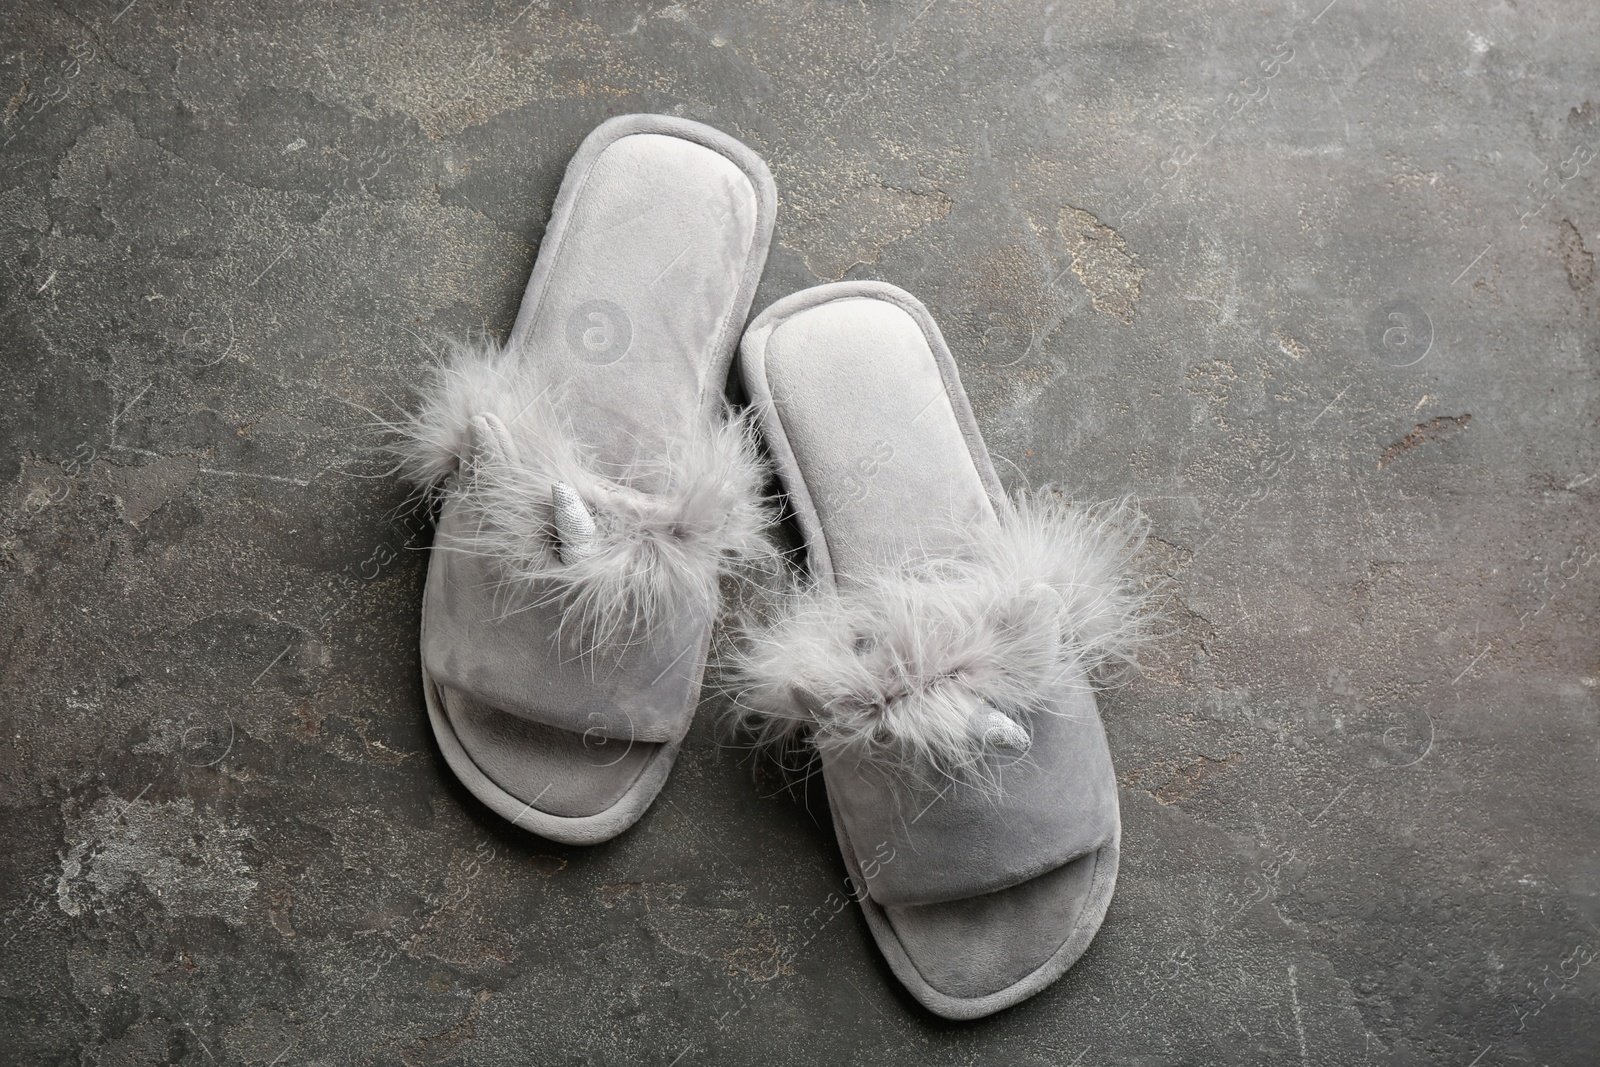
(515, 654)
(926, 842)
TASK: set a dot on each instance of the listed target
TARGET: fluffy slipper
(592, 487)
(943, 657)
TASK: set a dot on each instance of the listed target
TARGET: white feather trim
(657, 556)
(905, 666)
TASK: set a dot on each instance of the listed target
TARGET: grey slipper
(943, 658)
(593, 488)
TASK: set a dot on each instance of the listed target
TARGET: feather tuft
(936, 664)
(626, 554)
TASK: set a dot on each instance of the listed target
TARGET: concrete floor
(1316, 281)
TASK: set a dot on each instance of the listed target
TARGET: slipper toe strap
(947, 842)
(951, 698)
(527, 661)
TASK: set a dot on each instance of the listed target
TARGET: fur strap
(934, 664)
(627, 552)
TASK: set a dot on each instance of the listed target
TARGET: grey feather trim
(905, 667)
(666, 529)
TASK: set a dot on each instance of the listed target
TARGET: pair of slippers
(595, 489)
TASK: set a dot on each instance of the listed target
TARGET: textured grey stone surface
(1314, 280)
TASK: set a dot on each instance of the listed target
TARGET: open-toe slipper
(592, 488)
(943, 657)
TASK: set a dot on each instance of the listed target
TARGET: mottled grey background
(1316, 281)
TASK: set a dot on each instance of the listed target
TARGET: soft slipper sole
(581, 830)
(962, 923)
